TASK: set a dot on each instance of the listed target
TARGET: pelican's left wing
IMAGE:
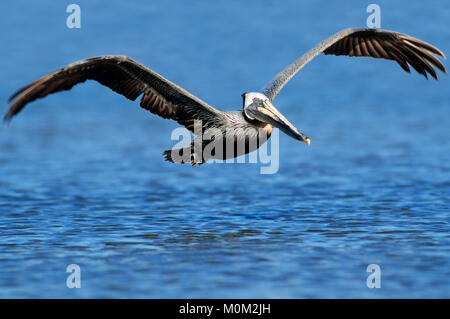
(127, 77)
(375, 43)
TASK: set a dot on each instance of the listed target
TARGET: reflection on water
(84, 181)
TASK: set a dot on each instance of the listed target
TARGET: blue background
(82, 178)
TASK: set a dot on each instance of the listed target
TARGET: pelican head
(258, 107)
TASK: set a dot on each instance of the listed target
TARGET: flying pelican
(254, 122)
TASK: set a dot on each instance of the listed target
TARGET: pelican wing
(126, 77)
(381, 44)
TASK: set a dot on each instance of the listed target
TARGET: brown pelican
(252, 125)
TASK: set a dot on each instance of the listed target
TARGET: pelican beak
(269, 114)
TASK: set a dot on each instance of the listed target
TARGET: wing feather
(380, 44)
(126, 77)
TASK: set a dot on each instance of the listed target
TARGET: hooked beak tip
(307, 141)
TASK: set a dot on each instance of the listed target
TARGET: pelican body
(232, 133)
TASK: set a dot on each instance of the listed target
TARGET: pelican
(253, 123)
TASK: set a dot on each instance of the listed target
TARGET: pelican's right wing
(375, 43)
(126, 77)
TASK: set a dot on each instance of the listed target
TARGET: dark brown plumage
(126, 77)
(403, 49)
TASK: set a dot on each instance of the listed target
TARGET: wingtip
(441, 54)
(438, 52)
(6, 119)
(443, 70)
(8, 116)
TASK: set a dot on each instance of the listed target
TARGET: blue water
(83, 180)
